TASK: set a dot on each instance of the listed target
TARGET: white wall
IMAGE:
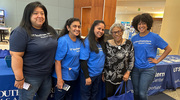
(125, 17)
(58, 11)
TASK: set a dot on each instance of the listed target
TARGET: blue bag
(8, 60)
(4, 53)
(124, 96)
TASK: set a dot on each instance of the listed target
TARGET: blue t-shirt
(68, 52)
(146, 47)
(95, 61)
(39, 50)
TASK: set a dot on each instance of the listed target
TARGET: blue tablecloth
(167, 77)
(7, 89)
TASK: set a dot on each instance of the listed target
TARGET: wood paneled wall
(110, 12)
(82, 8)
(86, 21)
(77, 6)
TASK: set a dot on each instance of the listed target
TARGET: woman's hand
(153, 60)
(103, 77)
(60, 84)
(60, 81)
(88, 81)
(126, 76)
(19, 84)
(17, 67)
(165, 53)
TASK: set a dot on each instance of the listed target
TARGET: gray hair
(119, 25)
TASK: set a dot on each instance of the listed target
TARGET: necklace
(118, 44)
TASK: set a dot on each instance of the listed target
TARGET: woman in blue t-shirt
(92, 61)
(67, 63)
(145, 47)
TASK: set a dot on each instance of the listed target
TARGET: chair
(6, 33)
(107, 37)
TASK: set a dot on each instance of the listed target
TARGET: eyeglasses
(118, 32)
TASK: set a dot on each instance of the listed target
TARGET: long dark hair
(26, 22)
(68, 23)
(91, 38)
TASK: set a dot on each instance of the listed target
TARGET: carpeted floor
(160, 96)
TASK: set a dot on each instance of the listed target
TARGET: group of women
(34, 46)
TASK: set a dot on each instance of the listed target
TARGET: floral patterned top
(119, 59)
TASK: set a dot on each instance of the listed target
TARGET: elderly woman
(119, 59)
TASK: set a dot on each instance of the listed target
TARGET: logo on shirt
(42, 35)
(75, 49)
(143, 42)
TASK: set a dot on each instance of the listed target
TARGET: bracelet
(19, 80)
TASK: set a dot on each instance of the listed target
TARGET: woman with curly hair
(145, 47)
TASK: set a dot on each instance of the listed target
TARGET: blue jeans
(61, 94)
(141, 80)
(89, 92)
(40, 85)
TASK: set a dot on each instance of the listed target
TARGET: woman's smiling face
(142, 27)
(99, 30)
(37, 18)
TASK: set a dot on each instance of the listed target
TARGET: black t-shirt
(39, 50)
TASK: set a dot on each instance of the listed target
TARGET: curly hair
(119, 25)
(145, 17)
